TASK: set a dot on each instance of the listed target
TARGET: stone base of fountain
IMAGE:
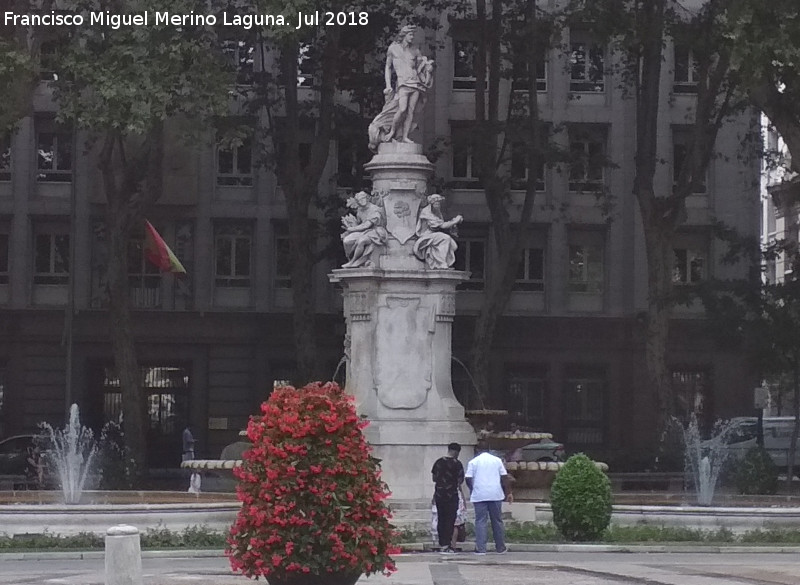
(37, 512)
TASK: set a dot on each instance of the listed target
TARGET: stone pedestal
(399, 318)
(123, 562)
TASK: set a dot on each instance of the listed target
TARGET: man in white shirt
(489, 485)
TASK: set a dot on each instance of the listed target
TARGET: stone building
(568, 357)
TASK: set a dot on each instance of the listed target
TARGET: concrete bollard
(123, 556)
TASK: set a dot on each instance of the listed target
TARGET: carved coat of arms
(402, 208)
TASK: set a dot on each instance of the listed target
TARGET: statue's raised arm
(412, 74)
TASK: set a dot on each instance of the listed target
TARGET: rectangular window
(240, 54)
(283, 263)
(232, 252)
(54, 157)
(144, 277)
(464, 168)
(519, 70)
(689, 266)
(235, 164)
(465, 54)
(3, 258)
(519, 168)
(583, 404)
(685, 71)
(51, 258)
(585, 268)
(680, 153)
(530, 276)
(166, 394)
(587, 57)
(690, 388)
(471, 256)
(587, 153)
(526, 398)
(5, 158)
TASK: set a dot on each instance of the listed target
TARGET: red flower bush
(312, 499)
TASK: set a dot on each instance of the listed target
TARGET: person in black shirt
(448, 475)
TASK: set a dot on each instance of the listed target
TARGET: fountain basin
(37, 512)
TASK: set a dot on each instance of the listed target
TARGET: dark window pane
(242, 257)
(61, 254)
(224, 252)
(244, 160)
(3, 252)
(224, 161)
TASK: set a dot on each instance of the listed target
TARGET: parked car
(777, 438)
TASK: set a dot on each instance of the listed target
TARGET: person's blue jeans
(483, 512)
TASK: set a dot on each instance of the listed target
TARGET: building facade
(569, 354)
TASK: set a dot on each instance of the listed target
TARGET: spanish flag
(157, 251)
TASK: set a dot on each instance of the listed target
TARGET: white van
(777, 438)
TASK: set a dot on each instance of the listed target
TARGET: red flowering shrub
(312, 497)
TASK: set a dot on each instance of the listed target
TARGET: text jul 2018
(245, 21)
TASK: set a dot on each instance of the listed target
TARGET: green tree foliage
(756, 473)
(581, 499)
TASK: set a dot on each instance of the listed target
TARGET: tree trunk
(124, 345)
(796, 430)
(658, 243)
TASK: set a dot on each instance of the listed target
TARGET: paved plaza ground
(563, 565)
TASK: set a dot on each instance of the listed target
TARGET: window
(464, 169)
(144, 278)
(519, 168)
(689, 266)
(519, 70)
(352, 154)
(235, 164)
(530, 276)
(166, 394)
(5, 158)
(283, 263)
(586, 63)
(54, 156)
(587, 152)
(465, 54)
(685, 71)
(583, 404)
(48, 59)
(471, 256)
(3, 258)
(232, 251)
(51, 258)
(690, 388)
(586, 266)
(240, 54)
(305, 67)
(525, 398)
(680, 152)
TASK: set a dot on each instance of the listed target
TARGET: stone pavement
(528, 565)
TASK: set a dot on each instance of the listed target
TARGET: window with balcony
(586, 273)
(471, 256)
(587, 56)
(235, 164)
(689, 266)
(681, 150)
(51, 257)
(144, 277)
(465, 54)
(283, 262)
(5, 158)
(241, 58)
(690, 388)
(686, 74)
(232, 252)
(530, 276)
(584, 409)
(525, 397)
(587, 153)
(53, 155)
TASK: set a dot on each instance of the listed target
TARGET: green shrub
(581, 499)
(756, 473)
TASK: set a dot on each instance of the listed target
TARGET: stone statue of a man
(434, 245)
(414, 77)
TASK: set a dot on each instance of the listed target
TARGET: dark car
(14, 454)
